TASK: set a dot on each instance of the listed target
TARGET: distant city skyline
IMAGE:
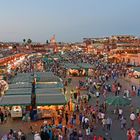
(70, 21)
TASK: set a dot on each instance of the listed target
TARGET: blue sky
(69, 20)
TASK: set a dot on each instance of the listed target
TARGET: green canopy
(46, 77)
(50, 99)
(118, 101)
(53, 86)
(50, 96)
(22, 77)
(20, 85)
(55, 56)
(136, 69)
(19, 91)
(48, 74)
(71, 66)
(85, 65)
(47, 60)
(48, 91)
(9, 100)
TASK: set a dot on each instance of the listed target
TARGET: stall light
(47, 82)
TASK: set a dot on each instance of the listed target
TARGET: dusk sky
(69, 20)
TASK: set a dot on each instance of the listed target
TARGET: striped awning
(19, 91)
(50, 99)
(9, 100)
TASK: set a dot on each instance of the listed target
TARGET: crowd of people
(90, 112)
(104, 83)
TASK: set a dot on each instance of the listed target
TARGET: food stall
(86, 68)
(50, 102)
(16, 104)
(50, 111)
(17, 98)
(16, 111)
(136, 72)
(72, 69)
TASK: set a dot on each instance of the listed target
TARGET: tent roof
(19, 91)
(47, 77)
(54, 99)
(136, 69)
(46, 74)
(52, 85)
(55, 56)
(15, 100)
(85, 65)
(45, 59)
(22, 77)
(25, 74)
(20, 85)
(48, 91)
(71, 66)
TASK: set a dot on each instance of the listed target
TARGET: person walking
(138, 118)
(80, 135)
(23, 137)
(37, 136)
(129, 136)
(88, 133)
(104, 123)
(137, 111)
(108, 123)
(19, 133)
(100, 138)
(132, 118)
(83, 122)
(66, 117)
(123, 123)
(2, 117)
(138, 93)
(120, 112)
(80, 118)
(138, 135)
(133, 133)
(95, 138)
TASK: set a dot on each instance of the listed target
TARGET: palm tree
(24, 40)
(29, 41)
(47, 42)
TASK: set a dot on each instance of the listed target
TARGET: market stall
(20, 85)
(86, 68)
(50, 102)
(10, 100)
(22, 78)
(72, 69)
(47, 77)
(16, 111)
(136, 72)
(56, 57)
(52, 85)
(19, 91)
(16, 104)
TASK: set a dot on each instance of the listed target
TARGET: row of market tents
(48, 90)
(70, 65)
(78, 66)
(51, 58)
(66, 64)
